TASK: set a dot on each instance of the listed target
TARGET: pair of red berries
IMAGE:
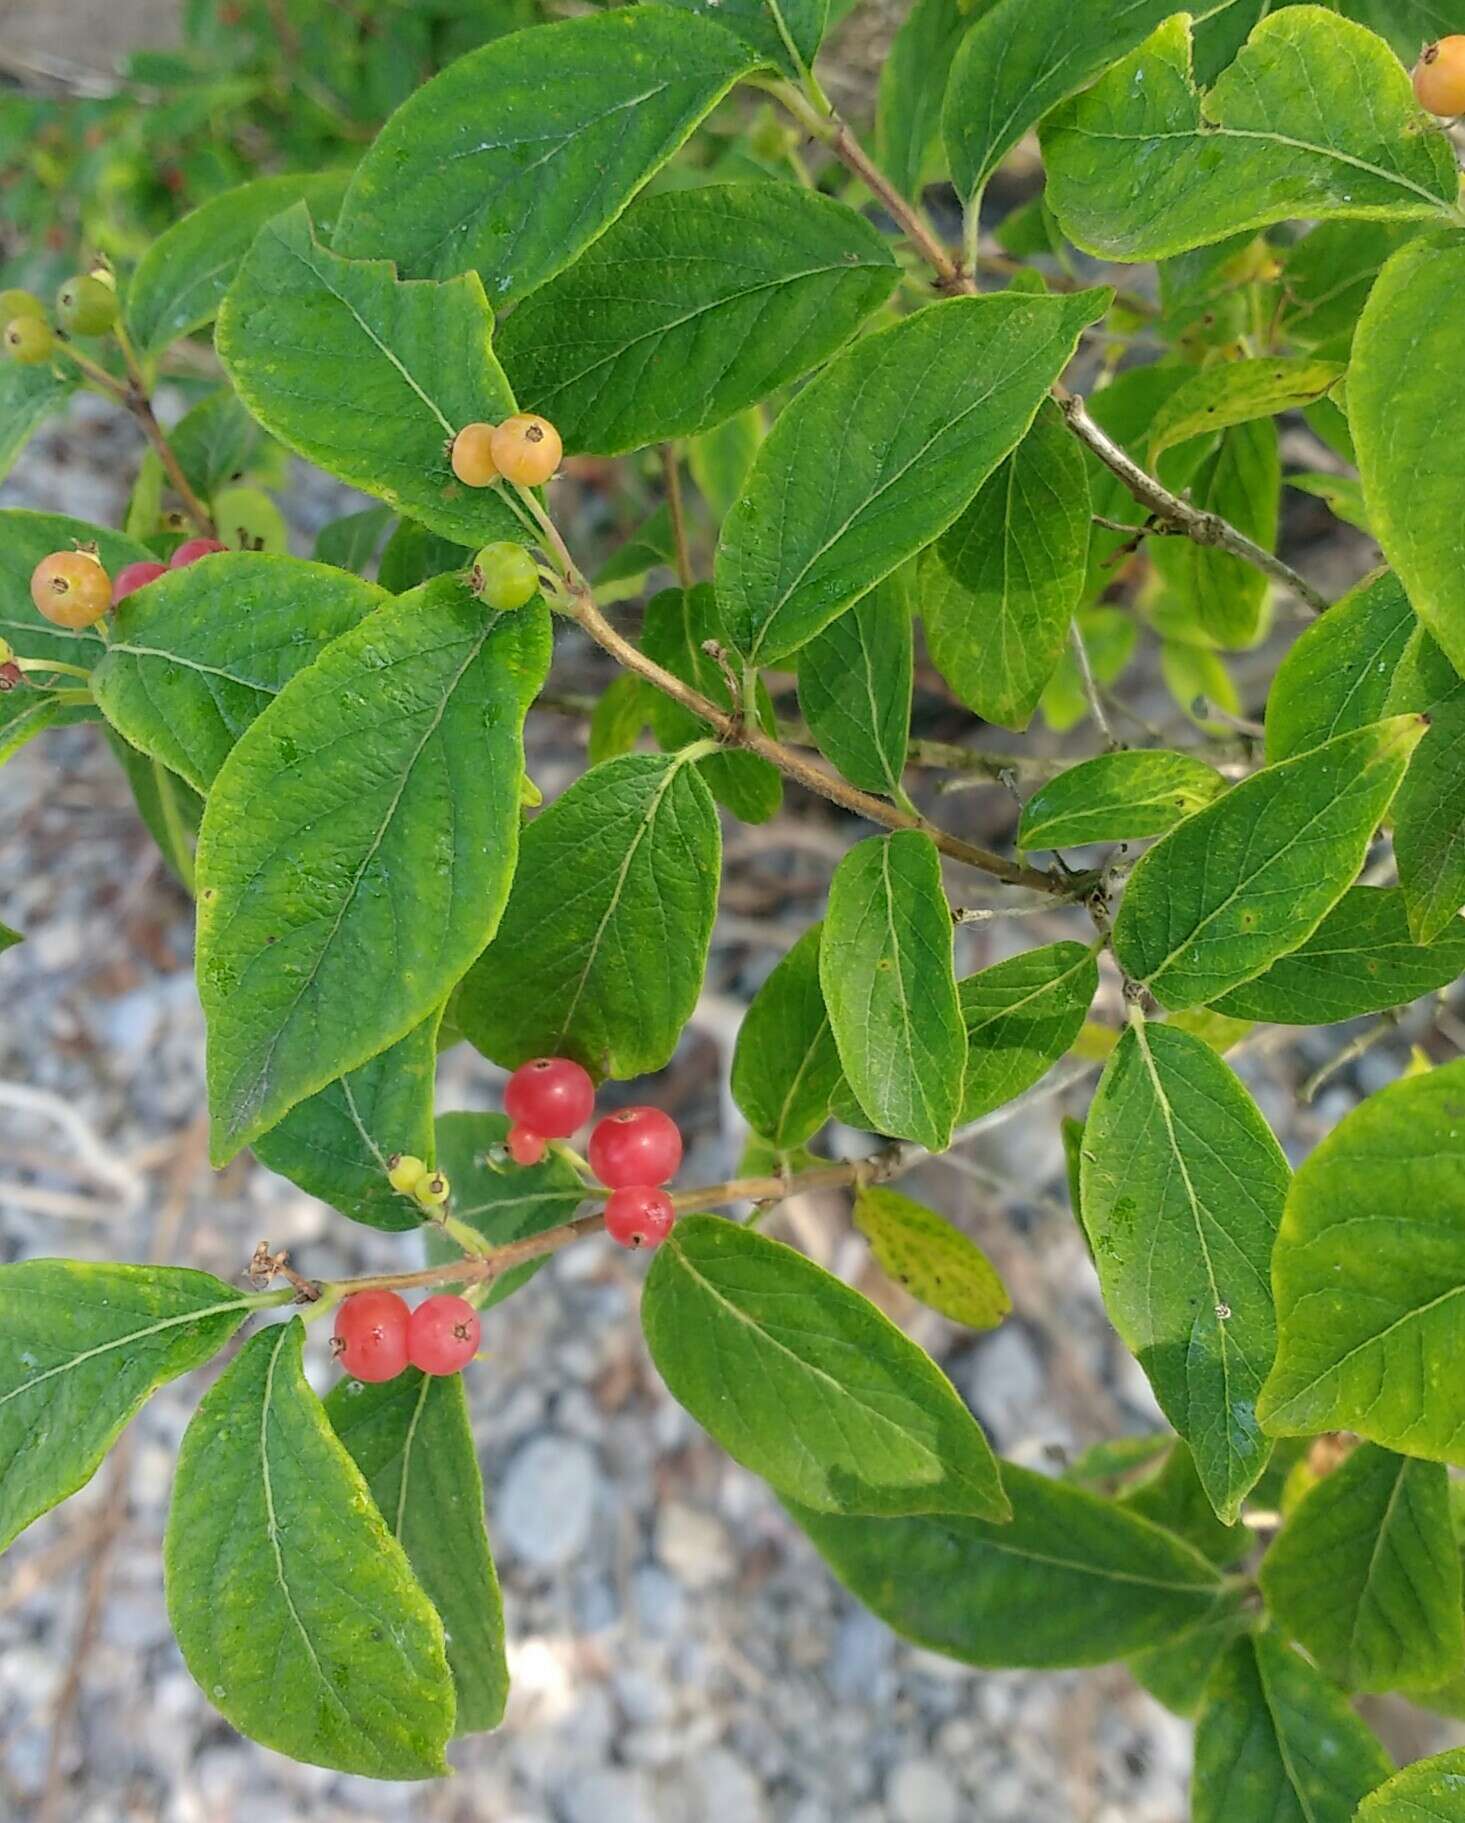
(135, 576)
(377, 1336)
(633, 1152)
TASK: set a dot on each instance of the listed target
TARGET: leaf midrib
(133, 1336)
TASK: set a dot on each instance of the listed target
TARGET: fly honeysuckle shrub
(1049, 437)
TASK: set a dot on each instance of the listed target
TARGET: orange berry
(71, 589)
(473, 461)
(1439, 77)
(527, 449)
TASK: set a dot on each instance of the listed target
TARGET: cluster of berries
(410, 1177)
(1439, 77)
(633, 1152)
(85, 305)
(377, 1336)
(525, 449)
(72, 588)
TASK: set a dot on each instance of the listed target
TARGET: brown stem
(133, 397)
(1171, 513)
(738, 731)
(671, 469)
(834, 133)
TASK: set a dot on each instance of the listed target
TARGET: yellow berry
(473, 462)
(1439, 77)
(71, 589)
(527, 449)
(433, 1190)
(404, 1172)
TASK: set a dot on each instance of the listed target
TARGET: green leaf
(1182, 1192)
(1365, 1575)
(9, 938)
(1360, 959)
(920, 413)
(783, 33)
(1241, 480)
(855, 687)
(1252, 876)
(1021, 58)
(351, 541)
(181, 280)
(171, 810)
(621, 713)
(1143, 165)
(1338, 675)
(81, 1348)
(1429, 1791)
(1329, 273)
(196, 655)
(368, 377)
(785, 1067)
(414, 555)
(404, 742)
(411, 1439)
(22, 722)
(1341, 494)
(28, 396)
(651, 546)
(503, 1201)
(216, 442)
(1429, 811)
(721, 458)
(1235, 392)
(1198, 680)
(999, 587)
(1021, 1016)
(1173, 1496)
(1370, 1276)
(516, 157)
(1179, 1672)
(1276, 1740)
(806, 1383)
(1069, 1580)
(885, 963)
(1117, 797)
(335, 1144)
(603, 946)
(1405, 393)
(913, 79)
(693, 306)
(27, 537)
(678, 622)
(272, 1526)
(935, 1262)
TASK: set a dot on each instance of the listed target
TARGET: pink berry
(371, 1334)
(134, 576)
(550, 1095)
(639, 1216)
(192, 549)
(443, 1334)
(635, 1146)
(526, 1147)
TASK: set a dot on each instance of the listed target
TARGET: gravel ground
(678, 1651)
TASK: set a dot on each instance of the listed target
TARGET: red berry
(134, 576)
(371, 1330)
(636, 1146)
(639, 1216)
(443, 1334)
(192, 549)
(526, 1147)
(550, 1095)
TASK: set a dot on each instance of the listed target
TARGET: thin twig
(1169, 510)
(1091, 687)
(671, 469)
(880, 1167)
(736, 730)
(1386, 1023)
(133, 397)
(1173, 514)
